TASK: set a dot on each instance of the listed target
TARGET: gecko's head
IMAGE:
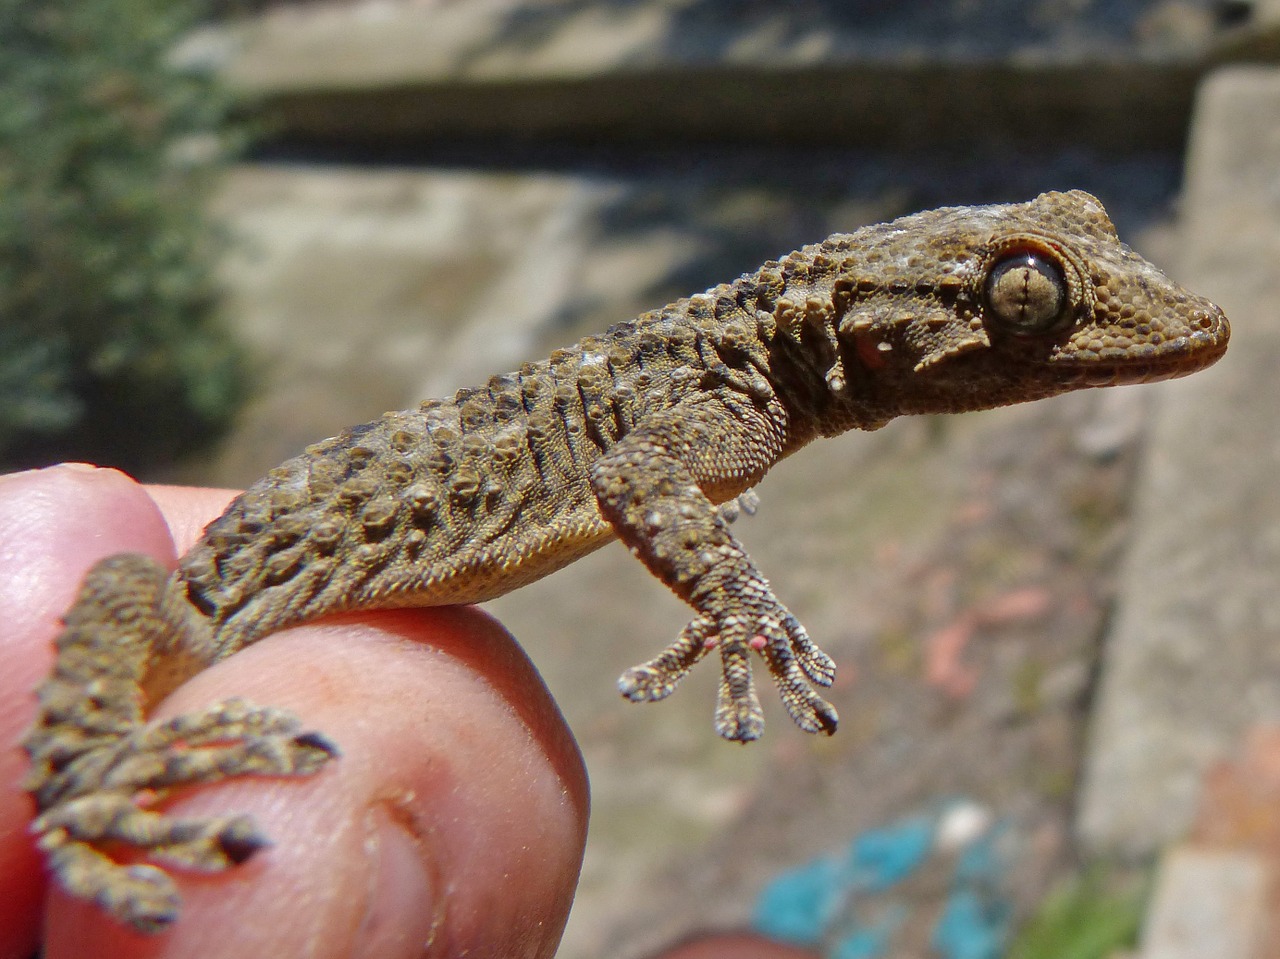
(1069, 293)
(1042, 297)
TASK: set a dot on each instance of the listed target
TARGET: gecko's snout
(1210, 326)
(1209, 332)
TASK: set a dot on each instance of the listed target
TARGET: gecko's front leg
(656, 487)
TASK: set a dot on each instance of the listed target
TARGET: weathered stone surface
(1194, 658)
(1208, 903)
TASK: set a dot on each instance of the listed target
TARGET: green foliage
(109, 346)
(1091, 917)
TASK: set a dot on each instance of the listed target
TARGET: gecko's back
(464, 499)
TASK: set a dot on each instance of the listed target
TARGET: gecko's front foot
(94, 799)
(794, 661)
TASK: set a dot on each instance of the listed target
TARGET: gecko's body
(638, 433)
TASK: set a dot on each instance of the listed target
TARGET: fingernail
(403, 914)
(35, 473)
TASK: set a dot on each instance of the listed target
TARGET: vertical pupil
(1027, 294)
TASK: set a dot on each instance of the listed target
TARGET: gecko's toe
(147, 900)
(138, 895)
(644, 684)
(739, 716)
(658, 678)
(739, 724)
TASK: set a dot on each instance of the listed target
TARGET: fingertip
(455, 814)
(54, 524)
(189, 509)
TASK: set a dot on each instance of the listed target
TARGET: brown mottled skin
(638, 433)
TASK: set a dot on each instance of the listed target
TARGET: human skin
(453, 824)
(735, 945)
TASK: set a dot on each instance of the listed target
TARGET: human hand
(453, 822)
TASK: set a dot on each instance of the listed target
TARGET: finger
(538, 719)
(54, 524)
(188, 509)
(455, 815)
(735, 945)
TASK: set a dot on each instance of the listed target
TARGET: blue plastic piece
(798, 906)
(882, 858)
(981, 860)
(971, 929)
(870, 942)
(863, 944)
(828, 899)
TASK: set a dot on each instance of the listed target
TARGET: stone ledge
(1117, 107)
(398, 73)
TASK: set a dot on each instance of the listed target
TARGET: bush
(110, 349)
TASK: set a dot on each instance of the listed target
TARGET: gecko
(647, 433)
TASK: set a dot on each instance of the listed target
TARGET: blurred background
(229, 230)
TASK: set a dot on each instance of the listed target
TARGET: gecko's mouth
(1180, 356)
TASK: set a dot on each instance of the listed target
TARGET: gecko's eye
(1027, 294)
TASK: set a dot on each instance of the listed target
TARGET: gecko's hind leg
(96, 762)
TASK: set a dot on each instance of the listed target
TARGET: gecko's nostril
(1200, 320)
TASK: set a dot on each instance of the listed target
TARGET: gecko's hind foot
(89, 795)
(795, 662)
